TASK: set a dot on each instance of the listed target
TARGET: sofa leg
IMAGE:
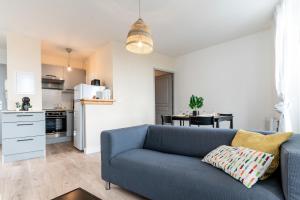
(107, 185)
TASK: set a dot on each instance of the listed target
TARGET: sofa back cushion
(187, 141)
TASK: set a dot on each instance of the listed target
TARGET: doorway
(164, 94)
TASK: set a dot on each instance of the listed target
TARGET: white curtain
(287, 56)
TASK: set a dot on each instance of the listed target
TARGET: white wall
(57, 98)
(133, 78)
(59, 60)
(133, 86)
(23, 55)
(99, 66)
(234, 77)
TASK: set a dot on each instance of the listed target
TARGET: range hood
(52, 79)
(52, 82)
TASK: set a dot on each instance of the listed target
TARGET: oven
(56, 123)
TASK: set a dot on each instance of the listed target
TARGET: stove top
(55, 109)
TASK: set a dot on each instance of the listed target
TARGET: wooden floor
(63, 170)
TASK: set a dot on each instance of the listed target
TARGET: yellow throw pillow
(265, 143)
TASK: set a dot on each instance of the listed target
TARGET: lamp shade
(139, 38)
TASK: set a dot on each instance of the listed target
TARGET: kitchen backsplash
(57, 98)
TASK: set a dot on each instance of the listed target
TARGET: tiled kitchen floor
(63, 170)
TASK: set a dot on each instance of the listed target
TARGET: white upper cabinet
(72, 78)
(53, 70)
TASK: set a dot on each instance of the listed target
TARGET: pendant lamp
(139, 40)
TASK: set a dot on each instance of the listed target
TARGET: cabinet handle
(24, 115)
(24, 140)
(25, 124)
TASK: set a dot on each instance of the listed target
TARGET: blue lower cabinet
(23, 129)
(23, 145)
(23, 135)
(23, 156)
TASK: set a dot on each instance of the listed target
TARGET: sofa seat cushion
(168, 176)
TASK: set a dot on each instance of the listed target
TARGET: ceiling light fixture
(139, 38)
(69, 51)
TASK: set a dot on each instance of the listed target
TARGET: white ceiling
(178, 26)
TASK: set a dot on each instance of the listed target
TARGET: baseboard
(90, 150)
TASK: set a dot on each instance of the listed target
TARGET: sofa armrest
(290, 168)
(114, 142)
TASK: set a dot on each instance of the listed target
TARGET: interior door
(163, 96)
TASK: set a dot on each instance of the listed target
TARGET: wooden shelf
(97, 101)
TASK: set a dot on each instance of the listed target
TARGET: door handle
(24, 140)
(25, 124)
(24, 115)
(56, 117)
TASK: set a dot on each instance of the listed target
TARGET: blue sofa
(164, 162)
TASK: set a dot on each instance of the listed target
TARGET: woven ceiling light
(139, 38)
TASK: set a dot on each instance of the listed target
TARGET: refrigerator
(82, 91)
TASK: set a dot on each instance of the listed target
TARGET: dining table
(217, 119)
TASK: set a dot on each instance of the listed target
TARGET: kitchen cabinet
(0, 128)
(53, 70)
(23, 135)
(70, 123)
(73, 78)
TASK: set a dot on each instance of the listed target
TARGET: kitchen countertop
(61, 110)
(15, 111)
(97, 101)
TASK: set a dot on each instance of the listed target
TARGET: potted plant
(196, 103)
(18, 106)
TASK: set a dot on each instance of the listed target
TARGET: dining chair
(166, 120)
(202, 121)
(225, 115)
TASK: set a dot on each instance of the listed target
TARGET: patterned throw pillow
(260, 142)
(243, 164)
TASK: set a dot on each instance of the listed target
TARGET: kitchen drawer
(22, 129)
(23, 145)
(23, 117)
(23, 156)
